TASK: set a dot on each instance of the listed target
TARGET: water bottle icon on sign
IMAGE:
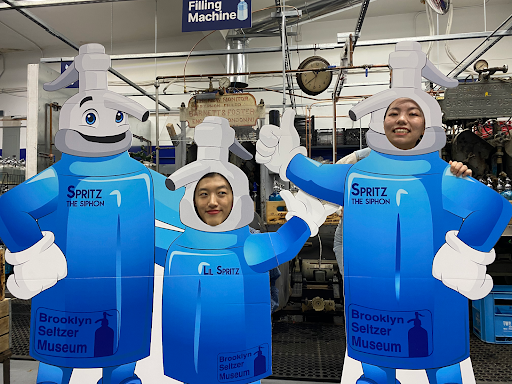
(242, 11)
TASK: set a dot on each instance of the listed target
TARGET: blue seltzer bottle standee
(216, 293)
(417, 239)
(81, 236)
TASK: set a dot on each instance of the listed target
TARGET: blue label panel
(390, 333)
(207, 15)
(76, 334)
(243, 365)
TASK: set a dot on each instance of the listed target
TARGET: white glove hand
(277, 146)
(36, 268)
(308, 208)
(463, 268)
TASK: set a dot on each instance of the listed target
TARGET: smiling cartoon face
(95, 123)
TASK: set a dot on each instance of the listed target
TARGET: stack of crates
(492, 316)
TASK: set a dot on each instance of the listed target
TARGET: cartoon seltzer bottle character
(216, 295)
(417, 239)
(81, 235)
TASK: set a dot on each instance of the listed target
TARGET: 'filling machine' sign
(205, 15)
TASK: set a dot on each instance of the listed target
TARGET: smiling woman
(404, 123)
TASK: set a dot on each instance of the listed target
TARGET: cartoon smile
(104, 139)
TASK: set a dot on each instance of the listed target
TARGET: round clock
(316, 81)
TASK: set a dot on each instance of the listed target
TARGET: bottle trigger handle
(430, 72)
(237, 149)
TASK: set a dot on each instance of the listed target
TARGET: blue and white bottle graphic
(242, 11)
(260, 363)
(418, 338)
(104, 338)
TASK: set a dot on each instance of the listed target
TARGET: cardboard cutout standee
(81, 235)
(416, 238)
(216, 296)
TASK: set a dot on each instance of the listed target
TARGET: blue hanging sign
(205, 15)
(63, 66)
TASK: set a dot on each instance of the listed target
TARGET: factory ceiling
(122, 23)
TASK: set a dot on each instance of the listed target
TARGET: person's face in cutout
(404, 123)
(213, 199)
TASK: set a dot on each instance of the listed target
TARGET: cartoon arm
(278, 148)
(461, 262)
(38, 262)
(324, 181)
(168, 226)
(264, 251)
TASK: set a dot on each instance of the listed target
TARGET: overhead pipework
(237, 62)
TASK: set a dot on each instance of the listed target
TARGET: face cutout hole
(404, 123)
(213, 199)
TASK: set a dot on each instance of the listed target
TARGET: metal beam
(50, 3)
(359, 24)
(482, 48)
(455, 36)
(213, 52)
(305, 47)
(65, 40)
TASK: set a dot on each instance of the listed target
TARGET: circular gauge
(439, 6)
(224, 82)
(480, 65)
(318, 79)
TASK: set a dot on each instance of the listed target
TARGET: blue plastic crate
(492, 316)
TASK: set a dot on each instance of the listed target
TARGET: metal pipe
(334, 129)
(480, 49)
(51, 117)
(283, 51)
(213, 52)
(307, 47)
(236, 63)
(65, 40)
(50, 3)
(157, 149)
(454, 36)
(206, 75)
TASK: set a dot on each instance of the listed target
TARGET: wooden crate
(276, 212)
(2, 273)
(5, 309)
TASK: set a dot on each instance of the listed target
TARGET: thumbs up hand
(277, 146)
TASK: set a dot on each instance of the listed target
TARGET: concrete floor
(25, 372)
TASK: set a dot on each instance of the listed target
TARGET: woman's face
(404, 123)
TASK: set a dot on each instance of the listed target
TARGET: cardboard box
(276, 212)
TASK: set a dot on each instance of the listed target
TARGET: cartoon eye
(119, 116)
(90, 118)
